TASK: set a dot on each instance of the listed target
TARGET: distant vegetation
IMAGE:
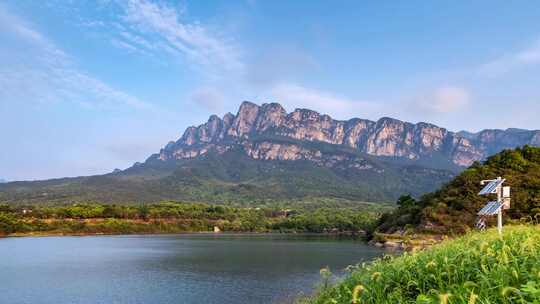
(453, 208)
(234, 178)
(171, 217)
(478, 268)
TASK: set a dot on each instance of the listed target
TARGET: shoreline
(247, 233)
(414, 242)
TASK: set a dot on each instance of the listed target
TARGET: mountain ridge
(264, 154)
(386, 137)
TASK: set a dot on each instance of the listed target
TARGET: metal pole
(499, 221)
(499, 214)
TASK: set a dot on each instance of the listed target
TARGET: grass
(478, 268)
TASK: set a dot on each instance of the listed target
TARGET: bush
(8, 223)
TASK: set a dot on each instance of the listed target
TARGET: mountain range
(258, 129)
(264, 153)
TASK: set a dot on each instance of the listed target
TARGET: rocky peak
(357, 131)
(210, 131)
(273, 107)
(271, 115)
(190, 136)
(391, 137)
(388, 121)
(535, 138)
(228, 118)
(213, 119)
(304, 115)
(170, 145)
(214, 124)
(244, 120)
(429, 137)
(385, 137)
(492, 141)
(466, 134)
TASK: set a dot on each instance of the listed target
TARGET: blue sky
(89, 86)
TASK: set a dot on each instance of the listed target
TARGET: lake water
(170, 268)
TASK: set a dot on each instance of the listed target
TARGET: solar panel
(491, 187)
(490, 209)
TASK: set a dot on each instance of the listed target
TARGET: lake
(191, 268)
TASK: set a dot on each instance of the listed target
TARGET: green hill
(453, 208)
(235, 178)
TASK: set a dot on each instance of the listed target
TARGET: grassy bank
(479, 267)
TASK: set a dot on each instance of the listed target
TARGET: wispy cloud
(229, 70)
(278, 64)
(209, 98)
(296, 96)
(443, 100)
(159, 29)
(512, 61)
(36, 70)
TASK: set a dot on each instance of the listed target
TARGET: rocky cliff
(262, 132)
(265, 155)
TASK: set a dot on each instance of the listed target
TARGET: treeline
(174, 217)
(452, 209)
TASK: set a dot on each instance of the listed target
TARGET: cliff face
(260, 131)
(263, 154)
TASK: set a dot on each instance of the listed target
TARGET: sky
(90, 86)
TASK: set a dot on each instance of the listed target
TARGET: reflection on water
(156, 269)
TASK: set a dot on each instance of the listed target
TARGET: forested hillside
(453, 208)
(234, 178)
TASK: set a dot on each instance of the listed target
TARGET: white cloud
(445, 99)
(36, 70)
(279, 64)
(507, 63)
(209, 98)
(296, 96)
(162, 29)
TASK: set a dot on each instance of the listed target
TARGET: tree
(406, 201)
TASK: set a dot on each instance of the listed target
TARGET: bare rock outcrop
(386, 137)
